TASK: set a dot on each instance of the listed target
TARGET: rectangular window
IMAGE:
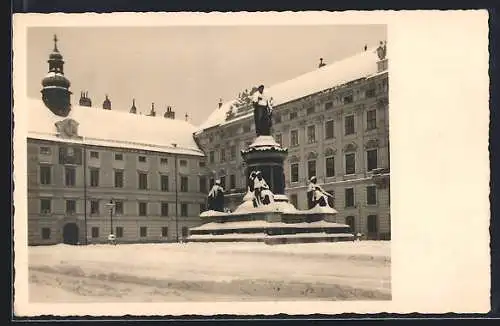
(223, 181)
(142, 159)
(212, 157)
(95, 232)
(70, 207)
(164, 182)
(329, 129)
(311, 134)
(163, 161)
(185, 231)
(45, 175)
(371, 158)
(143, 209)
(349, 197)
(246, 128)
(310, 110)
(311, 169)
(371, 119)
(371, 195)
(348, 99)
(118, 207)
(164, 209)
(328, 106)
(184, 209)
(70, 176)
(94, 177)
(232, 153)
(349, 125)
(45, 233)
(143, 231)
(45, 150)
(232, 181)
(164, 231)
(202, 164)
(294, 138)
(184, 184)
(223, 155)
(119, 232)
(183, 163)
(372, 222)
(143, 181)
(94, 207)
(94, 154)
(330, 167)
(277, 118)
(294, 172)
(350, 164)
(294, 200)
(203, 184)
(118, 179)
(370, 93)
(293, 115)
(212, 182)
(203, 207)
(279, 139)
(118, 157)
(45, 206)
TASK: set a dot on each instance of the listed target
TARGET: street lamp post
(110, 206)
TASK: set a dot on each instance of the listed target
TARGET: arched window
(349, 220)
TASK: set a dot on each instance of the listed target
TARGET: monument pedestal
(277, 223)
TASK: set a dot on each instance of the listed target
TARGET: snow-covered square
(358, 270)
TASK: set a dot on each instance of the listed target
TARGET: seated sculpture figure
(215, 198)
(317, 195)
(262, 193)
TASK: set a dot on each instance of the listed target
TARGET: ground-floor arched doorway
(70, 234)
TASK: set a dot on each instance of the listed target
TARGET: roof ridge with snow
(361, 65)
(113, 128)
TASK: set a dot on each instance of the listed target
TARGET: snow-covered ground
(210, 272)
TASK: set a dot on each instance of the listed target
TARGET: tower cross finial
(55, 43)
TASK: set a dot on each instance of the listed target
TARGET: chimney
(220, 103)
(321, 63)
(133, 109)
(169, 114)
(366, 47)
(84, 99)
(186, 117)
(153, 112)
(106, 105)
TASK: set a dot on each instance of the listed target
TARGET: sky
(187, 67)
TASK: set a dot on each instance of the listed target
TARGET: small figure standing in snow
(262, 112)
(215, 198)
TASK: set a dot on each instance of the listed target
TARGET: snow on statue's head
(253, 174)
(217, 182)
(313, 179)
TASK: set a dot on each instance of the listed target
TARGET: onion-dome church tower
(55, 91)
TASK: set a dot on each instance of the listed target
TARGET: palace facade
(95, 171)
(334, 122)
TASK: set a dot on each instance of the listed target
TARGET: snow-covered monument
(266, 214)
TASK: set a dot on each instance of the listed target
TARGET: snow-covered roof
(361, 65)
(113, 128)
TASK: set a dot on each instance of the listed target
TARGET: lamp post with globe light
(111, 205)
